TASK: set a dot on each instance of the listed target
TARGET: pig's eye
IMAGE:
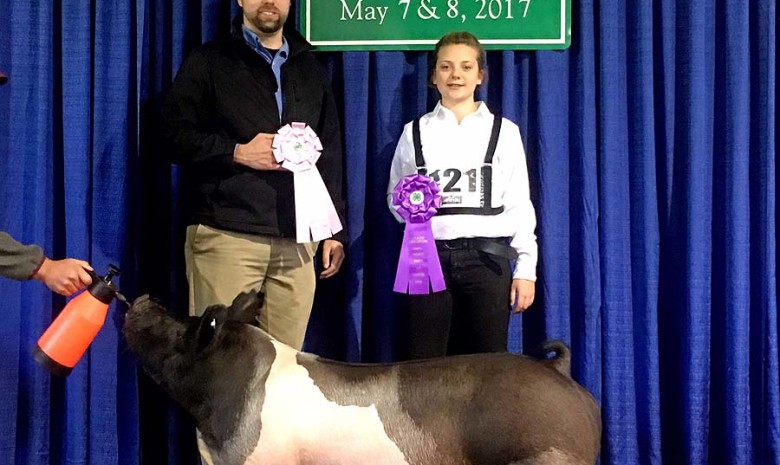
(210, 326)
(207, 331)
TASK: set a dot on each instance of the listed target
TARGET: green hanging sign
(418, 24)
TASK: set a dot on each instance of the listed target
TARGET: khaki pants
(222, 264)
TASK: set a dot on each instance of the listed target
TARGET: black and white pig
(257, 401)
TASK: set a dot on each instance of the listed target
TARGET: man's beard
(266, 26)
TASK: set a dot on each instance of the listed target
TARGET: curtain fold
(651, 148)
(764, 326)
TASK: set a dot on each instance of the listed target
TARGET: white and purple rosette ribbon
(417, 198)
(297, 147)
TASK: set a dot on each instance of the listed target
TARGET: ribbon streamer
(297, 147)
(417, 198)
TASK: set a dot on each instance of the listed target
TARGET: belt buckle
(455, 244)
(447, 245)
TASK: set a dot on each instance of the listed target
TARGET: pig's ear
(246, 307)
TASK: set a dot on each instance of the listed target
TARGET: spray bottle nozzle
(121, 297)
(113, 271)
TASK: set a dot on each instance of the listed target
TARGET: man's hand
(332, 258)
(64, 276)
(258, 153)
(522, 294)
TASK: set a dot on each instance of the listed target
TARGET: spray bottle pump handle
(102, 288)
(113, 272)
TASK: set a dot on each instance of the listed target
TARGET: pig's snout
(142, 301)
(143, 313)
(148, 327)
(142, 306)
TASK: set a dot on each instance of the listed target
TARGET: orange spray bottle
(74, 329)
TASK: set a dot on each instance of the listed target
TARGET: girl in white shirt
(484, 230)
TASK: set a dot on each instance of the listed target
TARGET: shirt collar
(442, 112)
(254, 42)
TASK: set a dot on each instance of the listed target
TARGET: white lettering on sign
(363, 13)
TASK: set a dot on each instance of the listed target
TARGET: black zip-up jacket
(223, 95)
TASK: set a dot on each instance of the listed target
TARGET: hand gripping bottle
(71, 333)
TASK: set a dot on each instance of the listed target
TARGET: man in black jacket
(228, 100)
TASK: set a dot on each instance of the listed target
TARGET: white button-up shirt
(454, 154)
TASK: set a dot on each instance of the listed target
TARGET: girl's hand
(522, 294)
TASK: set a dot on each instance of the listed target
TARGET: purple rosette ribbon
(297, 147)
(416, 198)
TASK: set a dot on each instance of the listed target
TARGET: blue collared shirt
(276, 61)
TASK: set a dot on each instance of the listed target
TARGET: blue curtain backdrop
(651, 150)
(68, 140)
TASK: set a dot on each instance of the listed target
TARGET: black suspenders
(485, 207)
